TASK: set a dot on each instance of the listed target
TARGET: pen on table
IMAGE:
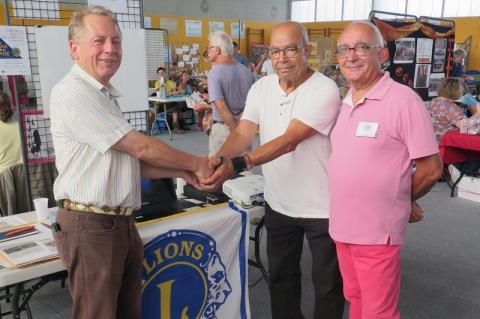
(19, 230)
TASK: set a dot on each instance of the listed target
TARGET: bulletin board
(130, 80)
(420, 50)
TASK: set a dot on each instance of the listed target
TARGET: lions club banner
(195, 265)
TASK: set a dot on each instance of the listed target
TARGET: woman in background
(13, 194)
(446, 114)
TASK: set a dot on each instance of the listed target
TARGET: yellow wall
(466, 27)
(180, 38)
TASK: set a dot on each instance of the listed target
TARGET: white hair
(223, 41)
(378, 35)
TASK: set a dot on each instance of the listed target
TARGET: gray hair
(223, 41)
(459, 52)
(76, 24)
(378, 35)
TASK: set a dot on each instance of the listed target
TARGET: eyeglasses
(212, 46)
(290, 52)
(360, 49)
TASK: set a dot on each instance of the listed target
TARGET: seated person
(170, 89)
(446, 114)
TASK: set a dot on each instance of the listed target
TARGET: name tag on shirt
(367, 129)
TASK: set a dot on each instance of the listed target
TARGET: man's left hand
(416, 214)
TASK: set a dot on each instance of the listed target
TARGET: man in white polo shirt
(100, 159)
(294, 110)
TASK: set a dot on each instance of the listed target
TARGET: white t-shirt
(296, 183)
(267, 67)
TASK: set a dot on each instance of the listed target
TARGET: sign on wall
(14, 55)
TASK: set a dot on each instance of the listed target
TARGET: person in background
(445, 112)
(381, 130)
(267, 67)
(294, 111)
(458, 69)
(170, 87)
(174, 107)
(228, 84)
(238, 56)
(184, 85)
(100, 159)
(13, 186)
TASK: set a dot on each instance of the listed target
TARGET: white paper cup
(41, 208)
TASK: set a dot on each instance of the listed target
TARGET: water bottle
(162, 93)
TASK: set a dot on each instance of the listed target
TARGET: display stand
(420, 49)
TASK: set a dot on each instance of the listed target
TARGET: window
(329, 10)
(338, 10)
(303, 11)
(429, 8)
(357, 9)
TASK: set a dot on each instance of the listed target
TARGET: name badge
(367, 129)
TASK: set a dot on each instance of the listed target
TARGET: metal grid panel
(157, 51)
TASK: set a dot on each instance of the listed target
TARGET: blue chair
(161, 120)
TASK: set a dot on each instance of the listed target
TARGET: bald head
(368, 28)
(291, 27)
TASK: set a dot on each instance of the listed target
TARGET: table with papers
(209, 243)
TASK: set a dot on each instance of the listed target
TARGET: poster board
(14, 55)
(420, 51)
(54, 62)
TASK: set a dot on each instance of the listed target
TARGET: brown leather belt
(116, 211)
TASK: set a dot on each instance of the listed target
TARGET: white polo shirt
(296, 183)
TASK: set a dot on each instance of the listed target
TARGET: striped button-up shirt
(86, 122)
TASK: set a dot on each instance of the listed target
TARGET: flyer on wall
(404, 50)
(14, 55)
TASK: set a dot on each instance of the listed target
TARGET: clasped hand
(212, 173)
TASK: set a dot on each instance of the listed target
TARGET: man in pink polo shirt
(382, 129)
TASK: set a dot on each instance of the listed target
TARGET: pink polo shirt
(370, 177)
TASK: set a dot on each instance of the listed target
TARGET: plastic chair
(161, 120)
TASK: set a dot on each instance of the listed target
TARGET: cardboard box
(468, 187)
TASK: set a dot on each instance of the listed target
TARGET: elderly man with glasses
(294, 109)
(228, 85)
(383, 129)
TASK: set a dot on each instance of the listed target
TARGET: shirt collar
(108, 89)
(377, 92)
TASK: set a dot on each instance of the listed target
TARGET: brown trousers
(103, 255)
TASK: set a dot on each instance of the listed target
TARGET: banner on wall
(237, 30)
(216, 26)
(193, 28)
(14, 55)
(195, 265)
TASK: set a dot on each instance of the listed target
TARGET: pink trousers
(371, 279)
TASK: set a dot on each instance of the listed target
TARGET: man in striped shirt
(100, 159)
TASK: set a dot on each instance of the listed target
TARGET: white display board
(54, 62)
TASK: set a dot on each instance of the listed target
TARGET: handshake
(210, 173)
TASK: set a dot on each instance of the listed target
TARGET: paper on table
(20, 254)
